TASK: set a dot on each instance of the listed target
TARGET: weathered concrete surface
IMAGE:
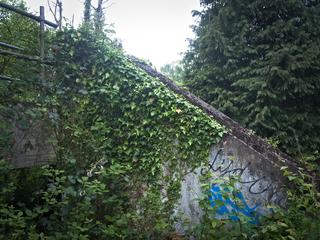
(31, 146)
(259, 181)
(188, 210)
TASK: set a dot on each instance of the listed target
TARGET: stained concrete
(259, 180)
(32, 145)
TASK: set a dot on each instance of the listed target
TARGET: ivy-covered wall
(122, 141)
(130, 152)
(243, 174)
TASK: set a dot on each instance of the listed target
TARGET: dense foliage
(21, 32)
(259, 62)
(137, 129)
(123, 142)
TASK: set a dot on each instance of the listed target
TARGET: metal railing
(13, 49)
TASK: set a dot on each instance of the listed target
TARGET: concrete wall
(32, 145)
(243, 154)
(259, 182)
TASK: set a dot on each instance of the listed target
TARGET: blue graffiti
(225, 206)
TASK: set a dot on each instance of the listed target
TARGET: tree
(173, 71)
(56, 11)
(259, 62)
(98, 18)
(87, 11)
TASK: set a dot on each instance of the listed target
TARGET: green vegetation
(299, 220)
(123, 141)
(16, 94)
(259, 62)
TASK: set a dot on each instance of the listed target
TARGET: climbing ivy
(143, 134)
(123, 143)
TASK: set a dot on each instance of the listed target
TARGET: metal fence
(11, 50)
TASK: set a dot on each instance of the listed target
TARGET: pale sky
(150, 29)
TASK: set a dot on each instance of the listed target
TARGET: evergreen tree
(259, 62)
(87, 11)
(99, 16)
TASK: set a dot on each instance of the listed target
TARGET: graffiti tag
(233, 205)
(223, 166)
